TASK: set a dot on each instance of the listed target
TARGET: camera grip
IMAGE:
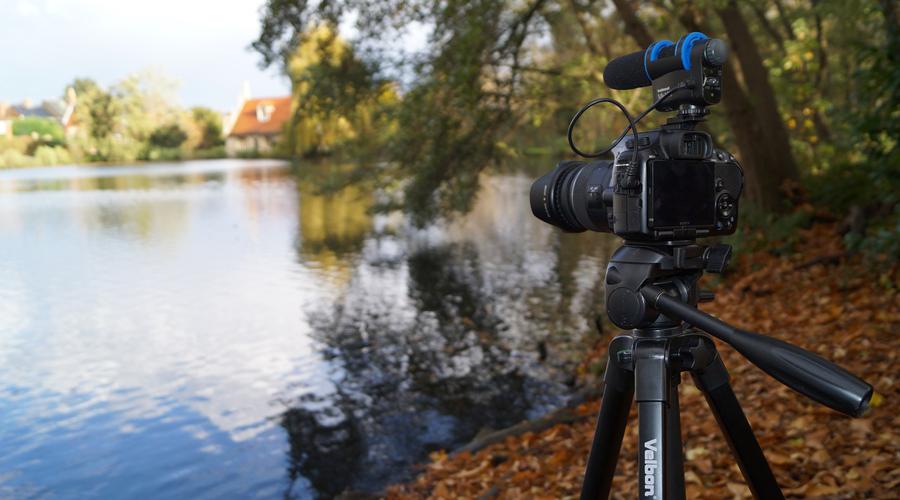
(801, 370)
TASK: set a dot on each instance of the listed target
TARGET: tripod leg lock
(619, 374)
(697, 353)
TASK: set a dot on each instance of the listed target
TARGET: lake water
(221, 329)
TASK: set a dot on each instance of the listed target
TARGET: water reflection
(221, 329)
(441, 333)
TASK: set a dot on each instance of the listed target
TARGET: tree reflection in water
(434, 335)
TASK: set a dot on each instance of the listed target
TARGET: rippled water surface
(223, 329)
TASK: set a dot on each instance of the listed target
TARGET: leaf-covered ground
(816, 298)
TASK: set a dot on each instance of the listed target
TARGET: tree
(94, 111)
(331, 85)
(116, 124)
(210, 124)
(450, 121)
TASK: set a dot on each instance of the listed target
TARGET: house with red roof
(257, 125)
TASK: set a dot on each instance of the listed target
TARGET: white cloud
(28, 8)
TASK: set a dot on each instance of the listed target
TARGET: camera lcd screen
(683, 193)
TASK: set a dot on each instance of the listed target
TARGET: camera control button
(725, 207)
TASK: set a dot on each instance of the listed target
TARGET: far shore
(134, 163)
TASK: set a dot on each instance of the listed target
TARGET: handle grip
(802, 371)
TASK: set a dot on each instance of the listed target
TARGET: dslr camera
(667, 185)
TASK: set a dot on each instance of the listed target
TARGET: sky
(45, 44)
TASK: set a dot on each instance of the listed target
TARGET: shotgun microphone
(640, 68)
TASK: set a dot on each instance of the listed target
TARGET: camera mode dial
(725, 211)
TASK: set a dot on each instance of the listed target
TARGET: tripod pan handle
(802, 371)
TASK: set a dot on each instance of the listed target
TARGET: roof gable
(265, 116)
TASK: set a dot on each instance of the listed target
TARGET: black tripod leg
(618, 392)
(674, 448)
(658, 439)
(713, 382)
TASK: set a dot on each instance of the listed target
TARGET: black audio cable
(631, 174)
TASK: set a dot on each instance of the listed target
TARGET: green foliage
(51, 155)
(47, 130)
(43, 156)
(340, 106)
(876, 115)
(868, 184)
(447, 127)
(760, 230)
(137, 118)
(168, 136)
(209, 153)
(164, 154)
(210, 124)
(450, 123)
(867, 194)
(95, 111)
(879, 240)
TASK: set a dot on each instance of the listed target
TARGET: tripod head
(653, 288)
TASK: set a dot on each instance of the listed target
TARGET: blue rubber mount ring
(653, 52)
(657, 48)
(687, 43)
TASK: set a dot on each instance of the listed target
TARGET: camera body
(667, 185)
(687, 189)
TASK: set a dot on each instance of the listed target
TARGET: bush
(163, 154)
(868, 194)
(209, 153)
(43, 156)
(14, 159)
(168, 136)
(51, 155)
(847, 185)
(758, 230)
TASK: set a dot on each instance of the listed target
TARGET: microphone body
(640, 68)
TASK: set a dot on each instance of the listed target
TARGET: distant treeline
(135, 119)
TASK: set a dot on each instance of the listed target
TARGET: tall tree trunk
(774, 139)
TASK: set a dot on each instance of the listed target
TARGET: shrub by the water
(168, 136)
(43, 156)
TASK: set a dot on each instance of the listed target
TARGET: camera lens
(571, 196)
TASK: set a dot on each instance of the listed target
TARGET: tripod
(652, 289)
